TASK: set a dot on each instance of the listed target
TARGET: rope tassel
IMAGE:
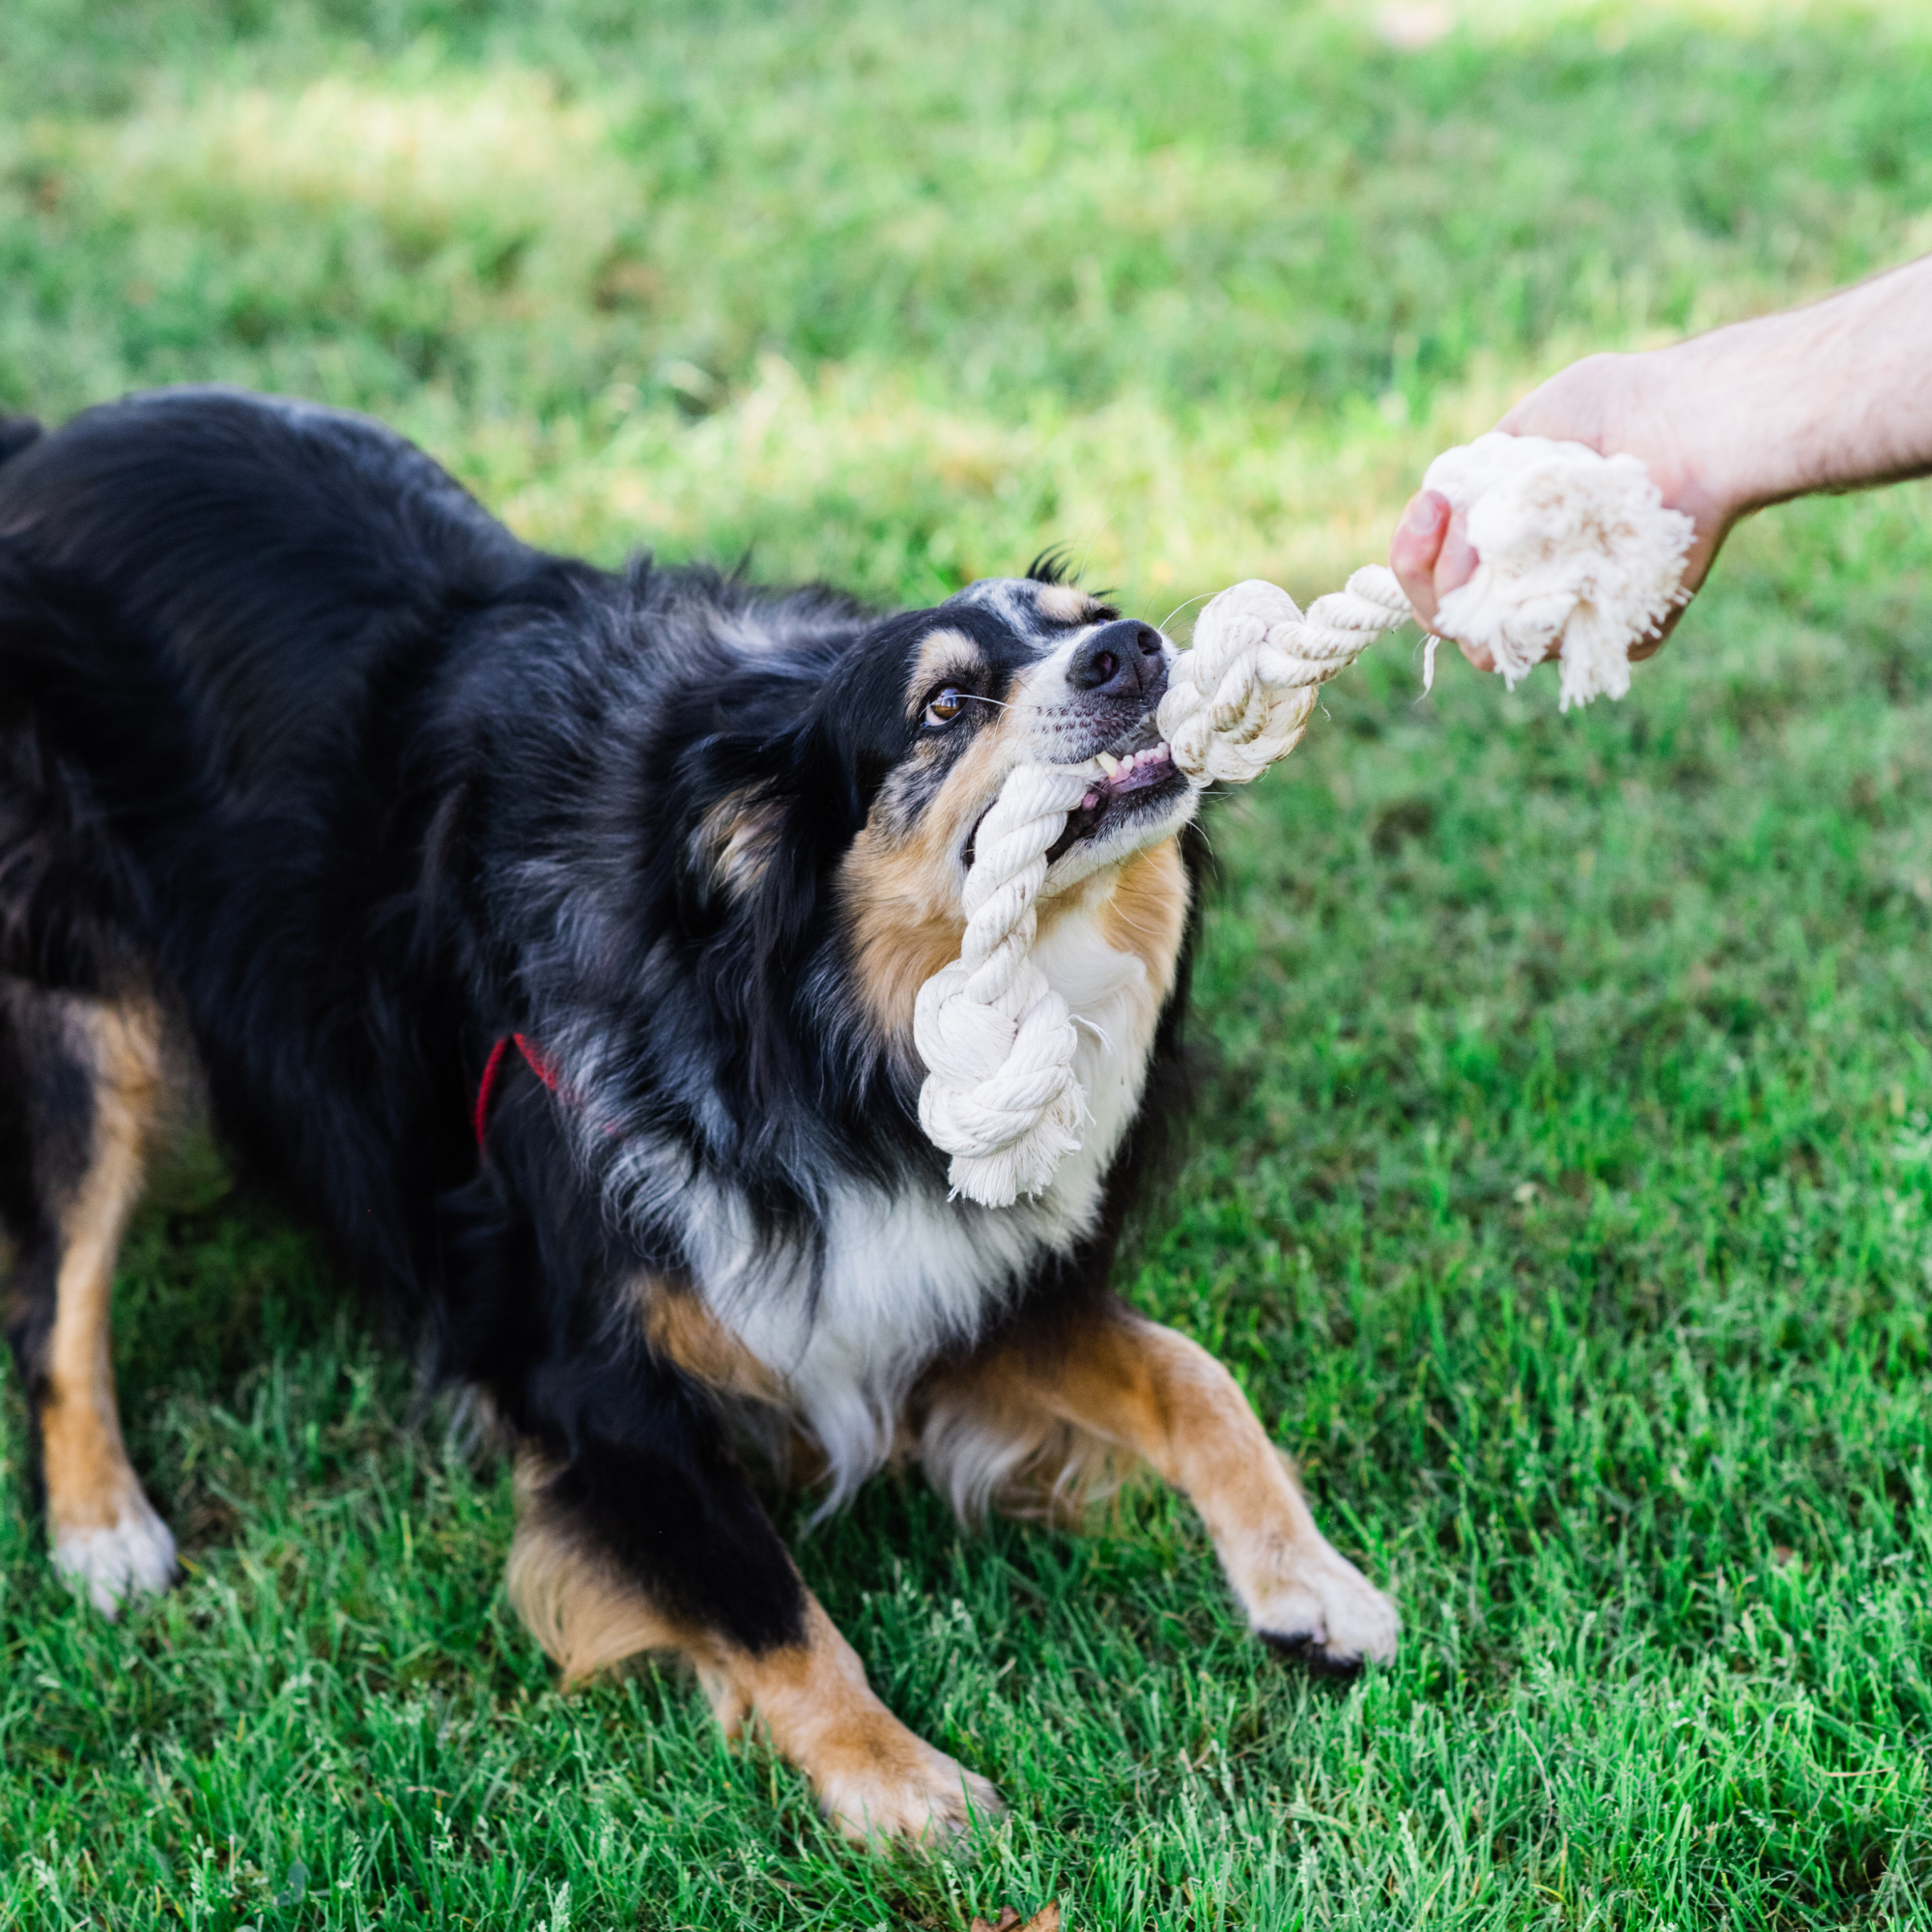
(1577, 550)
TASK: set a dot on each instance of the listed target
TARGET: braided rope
(1241, 698)
(1001, 1096)
(1574, 547)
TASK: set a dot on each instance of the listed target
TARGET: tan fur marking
(89, 1481)
(1146, 914)
(1135, 1386)
(902, 895)
(1166, 1397)
(898, 943)
(585, 1617)
(1067, 604)
(1118, 1384)
(679, 1327)
(874, 1778)
(902, 911)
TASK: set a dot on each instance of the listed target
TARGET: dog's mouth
(1130, 780)
(1135, 776)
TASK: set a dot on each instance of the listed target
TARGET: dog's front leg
(1128, 1383)
(874, 1778)
(786, 1671)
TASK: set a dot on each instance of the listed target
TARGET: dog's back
(218, 614)
(273, 564)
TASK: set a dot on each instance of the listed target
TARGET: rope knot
(1001, 1096)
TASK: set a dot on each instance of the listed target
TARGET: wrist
(1722, 405)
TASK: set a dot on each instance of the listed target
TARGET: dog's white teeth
(1107, 762)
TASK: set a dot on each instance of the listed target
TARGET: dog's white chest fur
(908, 1275)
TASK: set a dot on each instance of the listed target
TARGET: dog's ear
(756, 879)
(811, 789)
(783, 808)
(805, 818)
(772, 788)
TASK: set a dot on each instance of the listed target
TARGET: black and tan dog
(552, 938)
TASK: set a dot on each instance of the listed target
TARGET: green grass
(1563, 1191)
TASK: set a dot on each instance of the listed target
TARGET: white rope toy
(1002, 1096)
(1571, 546)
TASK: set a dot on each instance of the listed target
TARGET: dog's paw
(1326, 1614)
(909, 1792)
(133, 1554)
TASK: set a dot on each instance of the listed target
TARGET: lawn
(1562, 1186)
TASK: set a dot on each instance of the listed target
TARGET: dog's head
(874, 777)
(1015, 671)
(907, 742)
(1012, 672)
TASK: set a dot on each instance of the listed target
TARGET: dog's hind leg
(1041, 1404)
(80, 1086)
(802, 1685)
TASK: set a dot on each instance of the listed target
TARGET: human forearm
(1835, 396)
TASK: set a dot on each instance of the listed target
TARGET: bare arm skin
(1836, 396)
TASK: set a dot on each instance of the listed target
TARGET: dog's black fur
(299, 741)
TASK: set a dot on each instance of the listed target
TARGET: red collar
(494, 1065)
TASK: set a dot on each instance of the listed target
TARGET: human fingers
(1457, 561)
(1455, 564)
(1415, 548)
(1432, 555)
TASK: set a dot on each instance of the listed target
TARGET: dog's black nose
(1120, 660)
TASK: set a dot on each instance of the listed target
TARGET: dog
(550, 938)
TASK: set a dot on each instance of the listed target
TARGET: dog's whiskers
(1180, 607)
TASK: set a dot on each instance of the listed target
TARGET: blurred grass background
(1562, 1188)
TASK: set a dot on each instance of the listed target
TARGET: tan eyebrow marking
(939, 652)
(1065, 603)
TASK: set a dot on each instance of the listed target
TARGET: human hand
(1835, 396)
(1654, 405)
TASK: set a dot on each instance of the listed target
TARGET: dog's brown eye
(946, 707)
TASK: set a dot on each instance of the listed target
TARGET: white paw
(1327, 1613)
(918, 1794)
(134, 1552)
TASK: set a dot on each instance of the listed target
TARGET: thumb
(1414, 549)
